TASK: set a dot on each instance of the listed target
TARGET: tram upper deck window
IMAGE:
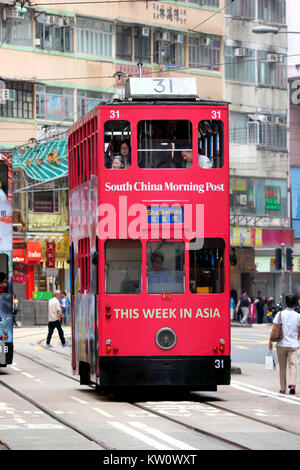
(210, 144)
(165, 271)
(207, 265)
(160, 143)
(123, 266)
(3, 181)
(3, 273)
(117, 143)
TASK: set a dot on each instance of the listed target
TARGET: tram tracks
(147, 408)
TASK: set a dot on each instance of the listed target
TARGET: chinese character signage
(50, 255)
(272, 198)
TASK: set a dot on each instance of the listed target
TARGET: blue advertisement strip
(165, 215)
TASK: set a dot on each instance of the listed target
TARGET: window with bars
(84, 265)
(204, 53)
(240, 67)
(54, 36)
(124, 42)
(168, 48)
(244, 9)
(22, 105)
(208, 3)
(272, 11)
(15, 30)
(87, 100)
(272, 70)
(142, 44)
(94, 37)
(55, 104)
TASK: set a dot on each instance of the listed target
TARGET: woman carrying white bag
(287, 343)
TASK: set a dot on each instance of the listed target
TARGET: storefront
(26, 256)
(253, 260)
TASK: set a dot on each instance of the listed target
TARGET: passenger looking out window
(117, 135)
(117, 162)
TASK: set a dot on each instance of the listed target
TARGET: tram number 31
(219, 364)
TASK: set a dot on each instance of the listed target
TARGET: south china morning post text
(136, 459)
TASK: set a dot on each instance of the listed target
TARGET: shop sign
(246, 236)
(272, 198)
(20, 278)
(34, 252)
(50, 255)
(42, 295)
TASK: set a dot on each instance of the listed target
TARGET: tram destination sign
(161, 88)
(165, 215)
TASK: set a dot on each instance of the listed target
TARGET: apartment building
(256, 87)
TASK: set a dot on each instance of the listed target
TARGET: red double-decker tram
(149, 239)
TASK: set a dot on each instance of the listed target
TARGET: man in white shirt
(203, 160)
(54, 316)
(287, 347)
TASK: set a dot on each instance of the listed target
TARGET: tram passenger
(112, 149)
(125, 152)
(117, 162)
(157, 274)
(203, 160)
(3, 283)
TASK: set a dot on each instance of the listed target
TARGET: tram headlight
(165, 338)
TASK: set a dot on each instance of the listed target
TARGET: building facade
(256, 87)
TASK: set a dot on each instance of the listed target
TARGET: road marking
(104, 413)
(78, 399)
(138, 435)
(258, 391)
(28, 375)
(15, 368)
(164, 437)
(240, 347)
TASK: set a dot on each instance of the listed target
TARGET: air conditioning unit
(205, 41)
(241, 52)
(264, 118)
(280, 120)
(146, 32)
(272, 58)
(157, 36)
(6, 94)
(166, 37)
(180, 39)
(282, 59)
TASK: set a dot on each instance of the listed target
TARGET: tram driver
(159, 278)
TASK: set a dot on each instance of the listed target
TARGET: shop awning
(45, 161)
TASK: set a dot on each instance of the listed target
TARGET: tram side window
(210, 144)
(161, 143)
(207, 265)
(3, 182)
(117, 144)
(3, 273)
(123, 266)
(165, 267)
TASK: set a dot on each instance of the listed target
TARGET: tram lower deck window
(207, 265)
(165, 271)
(123, 266)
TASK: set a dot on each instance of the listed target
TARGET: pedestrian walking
(287, 347)
(244, 302)
(63, 302)
(54, 316)
(15, 309)
(260, 304)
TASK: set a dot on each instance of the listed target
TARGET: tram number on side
(219, 363)
(3, 349)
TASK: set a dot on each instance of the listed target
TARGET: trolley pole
(140, 66)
